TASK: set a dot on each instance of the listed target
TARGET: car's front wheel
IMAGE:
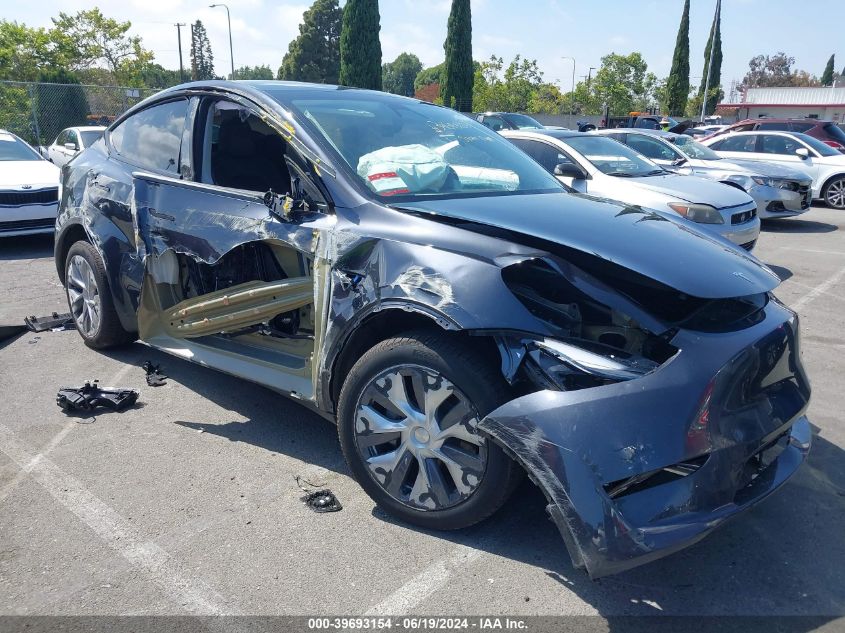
(89, 299)
(834, 193)
(407, 419)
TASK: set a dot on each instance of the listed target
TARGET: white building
(816, 103)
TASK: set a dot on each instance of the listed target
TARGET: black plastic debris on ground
(155, 376)
(322, 501)
(90, 396)
(55, 321)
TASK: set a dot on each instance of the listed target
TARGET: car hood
(750, 167)
(15, 173)
(673, 253)
(693, 189)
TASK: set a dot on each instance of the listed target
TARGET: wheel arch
(380, 325)
(71, 234)
(830, 179)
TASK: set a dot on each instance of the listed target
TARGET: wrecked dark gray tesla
(406, 271)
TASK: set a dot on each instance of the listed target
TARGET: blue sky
(541, 29)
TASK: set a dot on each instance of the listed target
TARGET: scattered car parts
(91, 396)
(55, 321)
(154, 375)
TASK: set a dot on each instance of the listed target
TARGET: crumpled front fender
(639, 469)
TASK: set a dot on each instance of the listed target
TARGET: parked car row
(463, 313)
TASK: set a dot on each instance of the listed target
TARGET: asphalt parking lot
(188, 504)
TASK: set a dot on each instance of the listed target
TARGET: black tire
(834, 193)
(109, 332)
(482, 384)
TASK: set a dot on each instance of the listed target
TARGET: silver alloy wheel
(83, 295)
(416, 433)
(836, 193)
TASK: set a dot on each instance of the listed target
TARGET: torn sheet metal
(697, 450)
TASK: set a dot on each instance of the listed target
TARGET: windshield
(613, 158)
(89, 137)
(694, 149)
(816, 144)
(12, 148)
(410, 150)
(524, 122)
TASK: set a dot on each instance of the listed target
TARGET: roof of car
(638, 130)
(779, 119)
(559, 134)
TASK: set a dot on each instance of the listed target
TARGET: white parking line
(819, 290)
(6, 490)
(194, 595)
(424, 584)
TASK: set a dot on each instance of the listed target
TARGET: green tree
(457, 85)
(314, 55)
(202, 60)
(254, 72)
(431, 75)
(714, 44)
(508, 89)
(677, 85)
(623, 83)
(23, 51)
(157, 76)
(360, 48)
(774, 71)
(60, 102)
(398, 76)
(88, 39)
(827, 75)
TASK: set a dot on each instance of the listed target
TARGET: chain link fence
(37, 112)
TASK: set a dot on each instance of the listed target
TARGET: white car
(825, 165)
(780, 192)
(71, 141)
(29, 189)
(600, 166)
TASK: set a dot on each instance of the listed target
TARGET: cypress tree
(827, 75)
(202, 61)
(677, 85)
(714, 44)
(360, 48)
(459, 72)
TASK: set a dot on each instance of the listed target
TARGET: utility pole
(590, 76)
(179, 26)
(572, 104)
(229, 20)
(710, 60)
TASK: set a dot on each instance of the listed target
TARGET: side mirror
(803, 153)
(569, 170)
(72, 146)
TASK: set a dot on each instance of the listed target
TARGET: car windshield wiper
(621, 174)
(654, 172)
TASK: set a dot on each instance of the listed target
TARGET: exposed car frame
(639, 453)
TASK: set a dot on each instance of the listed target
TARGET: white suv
(822, 163)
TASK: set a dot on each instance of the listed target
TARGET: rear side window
(802, 127)
(152, 138)
(737, 144)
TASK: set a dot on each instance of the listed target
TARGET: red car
(827, 132)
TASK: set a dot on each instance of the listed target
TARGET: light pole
(229, 20)
(572, 104)
(179, 26)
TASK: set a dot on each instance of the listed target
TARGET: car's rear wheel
(407, 419)
(89, 298)
(834, 193)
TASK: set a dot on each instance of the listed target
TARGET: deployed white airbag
(403, 169)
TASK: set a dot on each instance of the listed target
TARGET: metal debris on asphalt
(55, 322)
(90, 396)
(155, 376)
(322, 501)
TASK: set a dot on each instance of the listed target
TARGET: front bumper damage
(636, 470)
